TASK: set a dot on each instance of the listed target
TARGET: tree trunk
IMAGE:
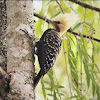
(20, 60)
(3, 56)
(3, 26)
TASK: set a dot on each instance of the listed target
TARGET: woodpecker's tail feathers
(37, 78)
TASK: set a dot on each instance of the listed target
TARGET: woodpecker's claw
(31, 38)
(25, 31)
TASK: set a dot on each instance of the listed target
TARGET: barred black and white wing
(48, 49)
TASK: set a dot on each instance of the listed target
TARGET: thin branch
(85, 36)
(85, 5)
(60, 6)
(45, 19)
(75, 33)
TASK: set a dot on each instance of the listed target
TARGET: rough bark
(20, 60)
(3, 26)
(3, 62)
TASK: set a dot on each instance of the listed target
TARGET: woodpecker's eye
(57, 22)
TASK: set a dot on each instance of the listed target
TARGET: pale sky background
(37, 4)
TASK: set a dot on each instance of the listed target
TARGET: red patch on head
(57, 27)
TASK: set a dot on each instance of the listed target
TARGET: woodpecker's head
(64, 22)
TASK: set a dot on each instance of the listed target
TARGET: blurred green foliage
(75, 75)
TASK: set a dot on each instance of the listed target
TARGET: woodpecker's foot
(28, 31)
(28, 35)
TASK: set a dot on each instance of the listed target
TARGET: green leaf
(71, 52)
(50, 95)
(93, 71)
(61, 94)
(47, 82)
(48, 89)
(78, 92)
(63, 5)
(89, 24)
(71, 38)
(75, 96)
(54, 96)
(90, 64)
(82, 39)
(72, 66)
(58, 93)
(98, 93)
(43, 88)
(76, 26)
(38, 28)
(93, 89)
(50, 74)
(87, 72)
(74, 60)
(59, 86)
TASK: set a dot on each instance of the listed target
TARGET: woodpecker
(49, 45)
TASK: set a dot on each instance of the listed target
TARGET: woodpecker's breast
(48, 49)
